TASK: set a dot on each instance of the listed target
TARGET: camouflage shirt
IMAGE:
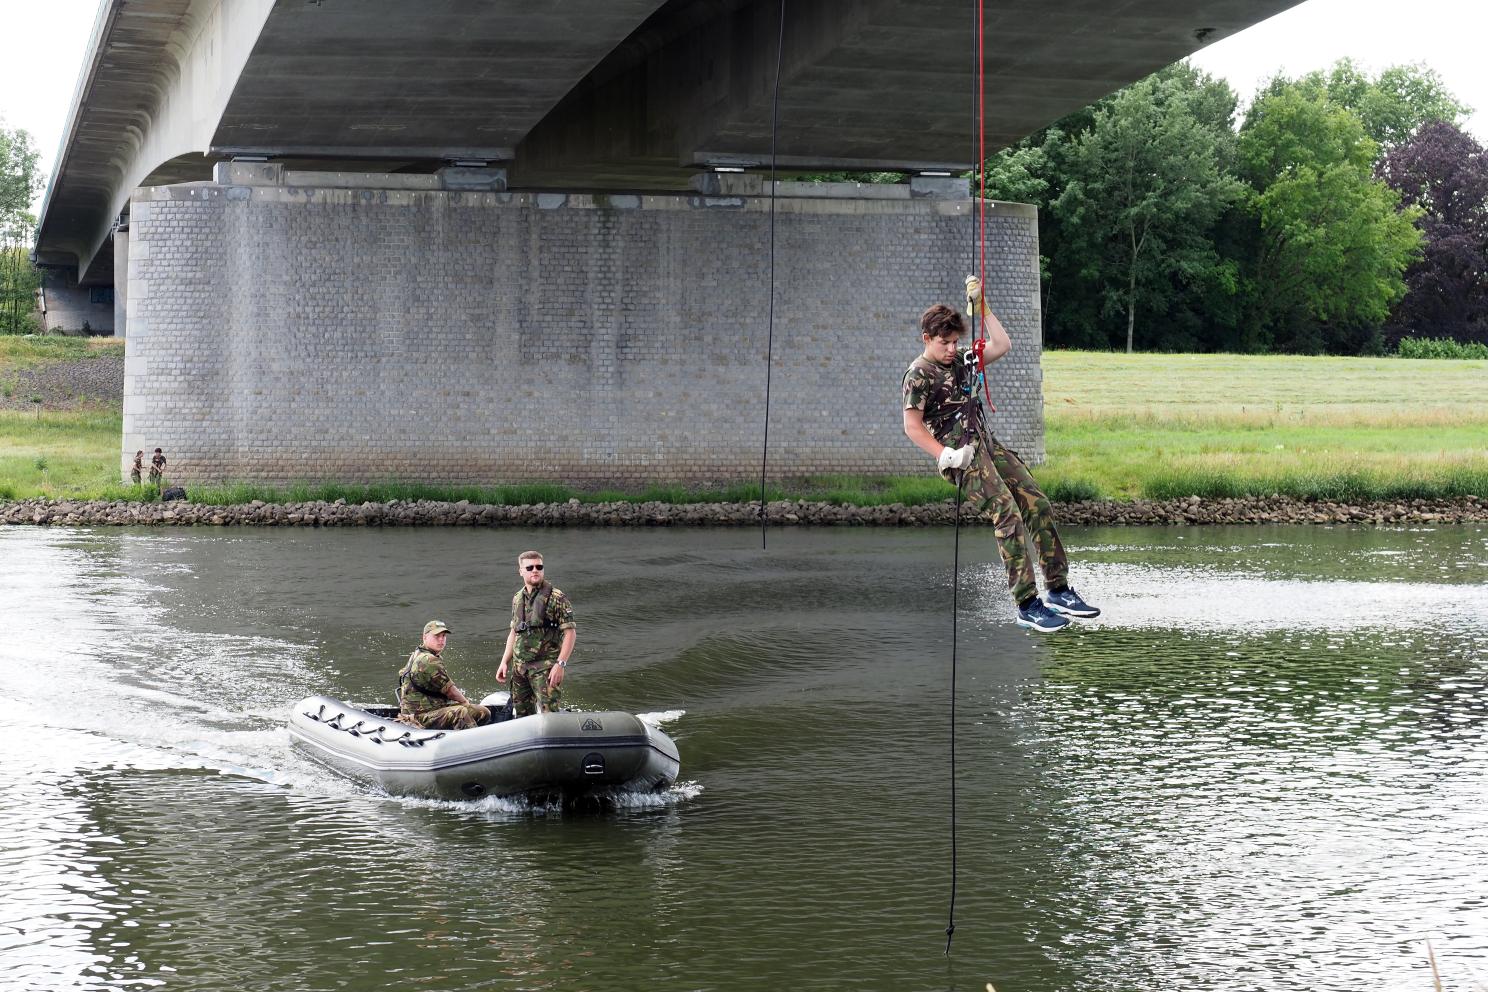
(546, 614)
(422, 684)
(934, 390)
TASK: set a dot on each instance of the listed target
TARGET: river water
(1266, 767)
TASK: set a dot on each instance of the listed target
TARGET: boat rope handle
(377, 735)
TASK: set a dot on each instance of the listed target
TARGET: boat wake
(661, 719)
(516, 806)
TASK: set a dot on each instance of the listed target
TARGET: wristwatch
(561, 663)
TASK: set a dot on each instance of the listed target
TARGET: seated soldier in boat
(427, 696)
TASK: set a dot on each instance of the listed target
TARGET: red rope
(981, 70)
(982, 149)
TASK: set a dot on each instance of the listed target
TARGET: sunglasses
(532, 568)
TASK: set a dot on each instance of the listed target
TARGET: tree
(1390, 106)
(19, 279)
(1331, 242)
(1145, 185)
(20, 181)
(20, 176)
(1444, 173)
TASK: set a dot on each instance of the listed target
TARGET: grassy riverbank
(1162, 426)
(1118, 426)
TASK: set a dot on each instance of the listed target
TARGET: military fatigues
(997, 481)
(157, 468)
(422, 700)
(539, 617)
(137, 470)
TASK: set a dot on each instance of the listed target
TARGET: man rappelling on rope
(944, 417)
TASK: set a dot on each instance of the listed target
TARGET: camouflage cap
(434, 627)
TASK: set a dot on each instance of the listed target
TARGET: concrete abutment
(289, 326)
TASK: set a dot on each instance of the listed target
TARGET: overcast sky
(37, 77)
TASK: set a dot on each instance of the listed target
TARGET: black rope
(976, 316)
(770, 339)
(950, 929)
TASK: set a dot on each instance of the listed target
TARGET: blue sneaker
(1037, 616)
(1068, 602)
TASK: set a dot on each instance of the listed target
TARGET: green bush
(1072, 490)
(1441, 348)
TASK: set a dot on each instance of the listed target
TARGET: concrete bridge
(376, 192)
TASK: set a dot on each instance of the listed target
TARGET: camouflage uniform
(138, 469)
(423, 685)
(539, 618)
(997, 481)
(157, 468)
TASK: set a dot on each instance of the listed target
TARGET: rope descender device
(976, 364)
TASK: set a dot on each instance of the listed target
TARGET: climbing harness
(770, 337)
(405, 679)
(534, 615)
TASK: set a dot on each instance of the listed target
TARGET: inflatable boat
(562, 756)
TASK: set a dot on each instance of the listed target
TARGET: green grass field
(29, 351)
(1237, 425)
(1118, 426)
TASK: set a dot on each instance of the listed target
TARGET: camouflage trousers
(459, 716)
(528, 685)
(998, 482)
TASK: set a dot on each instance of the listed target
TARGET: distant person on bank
(943, 416)
(540, 642)
(139, 467)
(427, 696)
(157, 468)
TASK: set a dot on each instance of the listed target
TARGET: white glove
(957, 458)
(974, 297)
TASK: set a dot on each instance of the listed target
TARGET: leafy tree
(1390, 106)
(20, 176)
(1017, 174)
(1444, 173)
(1330, 241)
(1146, 184)
(20, 181)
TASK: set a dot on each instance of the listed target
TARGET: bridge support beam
(287, 327)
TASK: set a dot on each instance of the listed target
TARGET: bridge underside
(588, 94)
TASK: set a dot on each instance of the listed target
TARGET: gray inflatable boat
(551, 756)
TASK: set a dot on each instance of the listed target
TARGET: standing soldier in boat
(943, 416)
(427, 696)
(540, 642)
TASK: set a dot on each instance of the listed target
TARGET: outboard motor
(500, 706)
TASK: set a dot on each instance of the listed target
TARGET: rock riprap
(573, 513)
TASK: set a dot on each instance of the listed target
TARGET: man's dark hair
(157, 451)
(940, 321)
